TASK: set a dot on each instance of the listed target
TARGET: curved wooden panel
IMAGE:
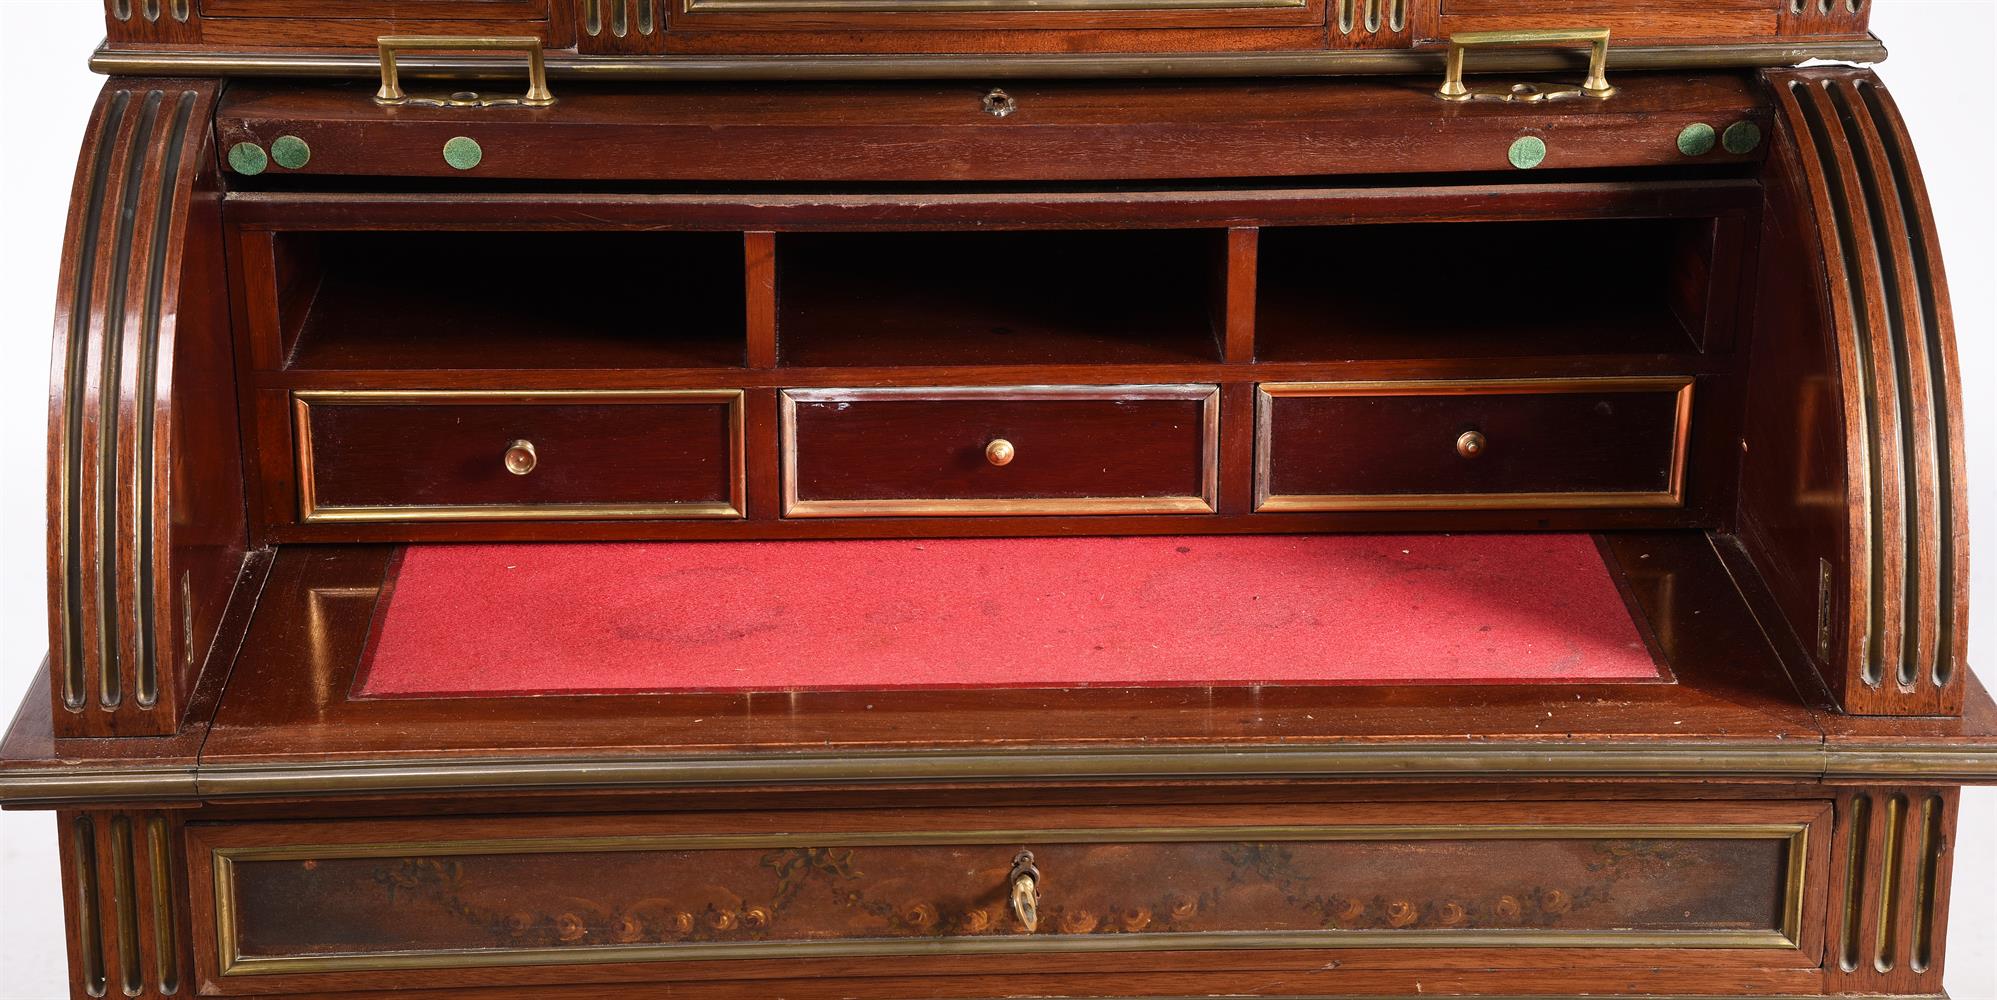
(145, 513)
(1892, 624)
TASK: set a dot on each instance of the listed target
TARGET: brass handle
(1596, 85)
(999, 452)
(1025, 894)
(521, 457)
(391, 93)
(1470, 444)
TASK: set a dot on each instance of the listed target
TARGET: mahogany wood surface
(1889, 629)
(1408, 442)
(939, 132)
(1114, 442)
(431, 452)
(882, 278)
(146, 529)
(660, 28)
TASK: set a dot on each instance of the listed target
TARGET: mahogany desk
(976, 498)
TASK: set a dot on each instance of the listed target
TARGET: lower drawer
(416, 902)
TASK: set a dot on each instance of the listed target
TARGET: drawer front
(869, 24)
(1525, 443)
(432, 455)
(416, 10)
(300, 899)
(1139, 449)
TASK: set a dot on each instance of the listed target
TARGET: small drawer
(414, 903)
(1524, 443)
(423, 455)
(1122, 449)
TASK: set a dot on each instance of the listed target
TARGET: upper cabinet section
(834, 39)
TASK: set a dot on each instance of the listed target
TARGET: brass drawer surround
(311, 511)
(1205, 503)
(221, 862)
(1673, 495)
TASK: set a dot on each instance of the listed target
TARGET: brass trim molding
(1798, 760)
(1673, 495)
(1206, 503)
(231, 962)
(311, 512)
(1358, 62)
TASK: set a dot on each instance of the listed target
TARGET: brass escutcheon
(998, 103)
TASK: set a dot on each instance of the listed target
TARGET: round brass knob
(999, 452)
(520, 457)
(1470, 444)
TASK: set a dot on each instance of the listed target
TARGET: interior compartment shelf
(998, 298)
(1483, 290)
(500, 300)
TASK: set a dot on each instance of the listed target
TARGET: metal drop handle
(1024, 892)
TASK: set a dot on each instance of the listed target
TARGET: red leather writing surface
(1195, 610)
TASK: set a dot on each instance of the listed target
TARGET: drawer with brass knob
(1472, 445)
(434, 455)
(411, 903)
(1111, 449)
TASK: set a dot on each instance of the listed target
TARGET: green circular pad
(248, 159)
(290, 152)
(463, 153)
(1741, 137)
(1696, 140)
(1528, 152)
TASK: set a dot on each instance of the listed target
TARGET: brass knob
(1470, 444)
(1025, 894)
(520, 457)
(999, 452)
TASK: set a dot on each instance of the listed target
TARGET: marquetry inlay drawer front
(449, 456)
(954, 887)
(1115, 449)
(1522, 443)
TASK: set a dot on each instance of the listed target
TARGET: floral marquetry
(1134, 889)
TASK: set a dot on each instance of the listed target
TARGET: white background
(1941, 74)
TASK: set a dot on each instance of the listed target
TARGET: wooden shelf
(997, 298)
(445, 300)
(1482, 290)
